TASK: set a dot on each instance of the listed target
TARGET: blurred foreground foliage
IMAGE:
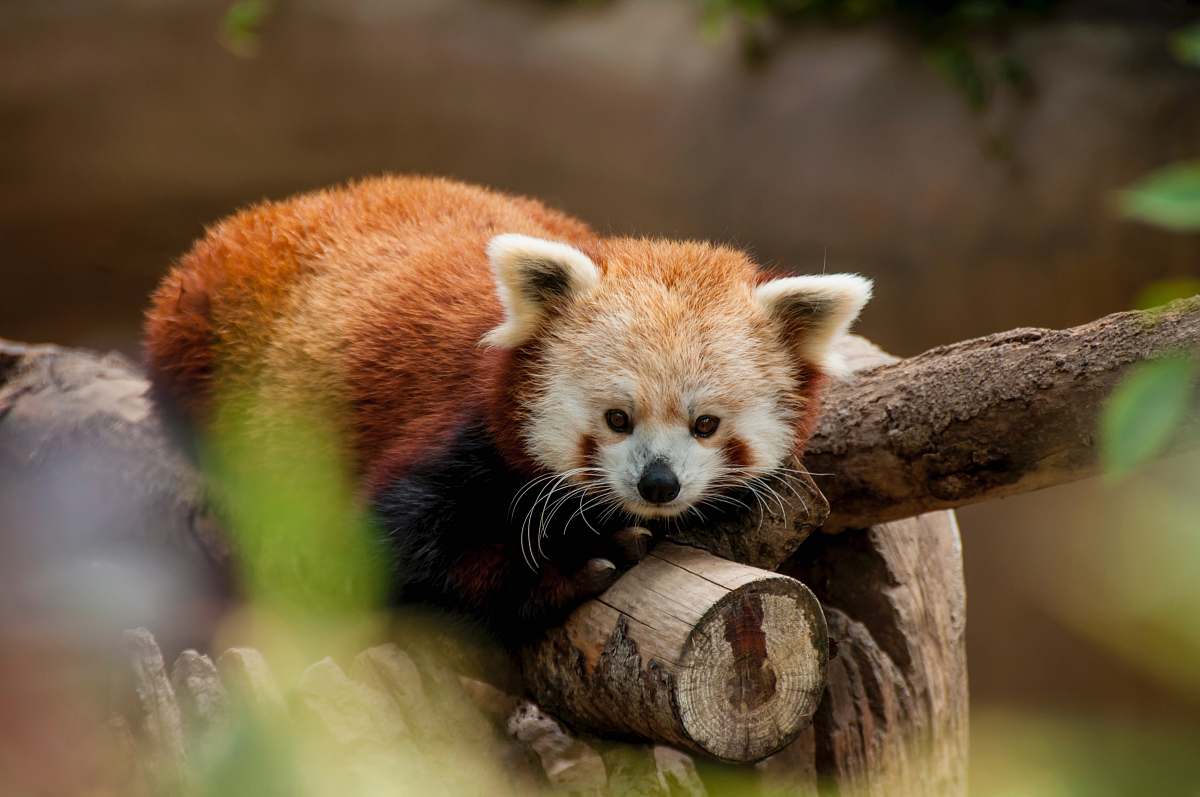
(1017, 754)
(1145, 413)
(1151, 404)
(1168, 198)
(305, 542)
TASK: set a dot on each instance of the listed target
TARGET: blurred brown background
(125, 127)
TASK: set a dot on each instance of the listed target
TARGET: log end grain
(753, 670)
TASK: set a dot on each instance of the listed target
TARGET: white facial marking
(667, 351)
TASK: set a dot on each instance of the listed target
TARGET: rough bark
(985, 418)
(688, 649)
(201, 696)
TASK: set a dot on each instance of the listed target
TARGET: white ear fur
(815, 311)
(530, 274)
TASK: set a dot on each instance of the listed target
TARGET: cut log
(985, 418)
(695, 651)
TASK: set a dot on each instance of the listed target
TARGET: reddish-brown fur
(366, 305)
(411, 366)
(374, 296)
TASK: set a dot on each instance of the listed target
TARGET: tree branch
(985, 418)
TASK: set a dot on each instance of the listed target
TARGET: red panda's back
(369, 298)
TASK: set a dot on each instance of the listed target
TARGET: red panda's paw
(593, 578)
(631, 544)
(611, 556)
(558, 592)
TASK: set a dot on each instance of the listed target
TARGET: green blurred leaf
(305, 542)
(1144, 412)
(1079, 753)
(1161, 292)
(242, 24)
(959, 66)
(1167, 198)
(1185, 45)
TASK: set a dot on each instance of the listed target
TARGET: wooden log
(894, 717)
(353, 715)
(246, 674)
(985, 418)
(698, 652)
(200, 694)
(144, 696)
(392, 672)
(569, 763)
(113, 418)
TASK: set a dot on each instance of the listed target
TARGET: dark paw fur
(594, 577)
(631, 544)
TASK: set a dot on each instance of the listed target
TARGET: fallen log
(994, 416)
(699, 652)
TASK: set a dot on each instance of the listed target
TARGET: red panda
(503, 373)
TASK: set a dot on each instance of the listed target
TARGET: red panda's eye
(705, 425)
(618, 421)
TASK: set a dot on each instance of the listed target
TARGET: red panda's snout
(667, 375)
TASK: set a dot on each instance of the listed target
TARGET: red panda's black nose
(658, 484)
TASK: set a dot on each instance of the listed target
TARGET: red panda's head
(663, 373)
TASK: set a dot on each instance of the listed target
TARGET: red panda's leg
(483, 577)
(558, 591)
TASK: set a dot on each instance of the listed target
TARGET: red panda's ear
(533, 276)
(813, 312)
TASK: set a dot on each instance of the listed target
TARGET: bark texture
(985, 418)
(894, 718)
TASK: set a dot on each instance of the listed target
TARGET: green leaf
(1185, 45)
(1167, 198)
(1145, 412)
(1161, 292)
(241, 25)
(958, 65)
